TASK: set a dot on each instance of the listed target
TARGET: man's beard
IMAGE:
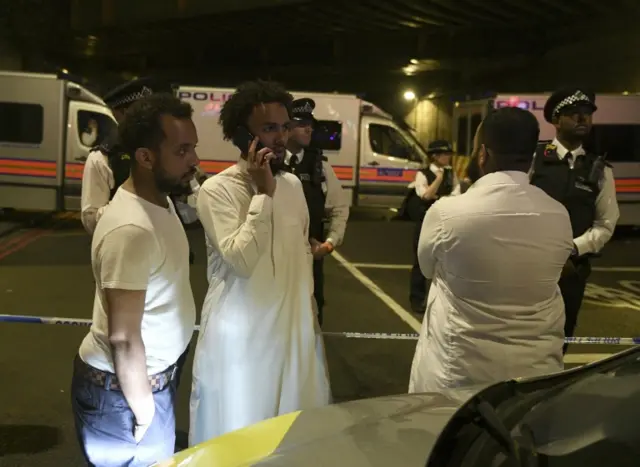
(277, 163)
(473, 169)
(170, 185)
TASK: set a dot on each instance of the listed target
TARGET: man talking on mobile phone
(256, 355)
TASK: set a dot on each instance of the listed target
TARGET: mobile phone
(242, 139)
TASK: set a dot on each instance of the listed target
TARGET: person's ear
(483, 156)
(145, 158)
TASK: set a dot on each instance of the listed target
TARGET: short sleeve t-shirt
(138, 245)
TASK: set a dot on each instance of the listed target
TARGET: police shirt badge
(550, 150)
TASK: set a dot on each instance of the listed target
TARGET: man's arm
(241, 240)
(96, 189)
(337, 206)
(125, 256)
(607, 215)
(428, 243)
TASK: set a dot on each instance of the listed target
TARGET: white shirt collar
(508, 177)
(435, 169)
(563, 151)
(288, 155)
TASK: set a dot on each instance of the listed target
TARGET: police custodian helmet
(131, 91)
(567, 99)
(439, 146)
(302, 110)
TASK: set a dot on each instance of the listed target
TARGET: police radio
(597, 169)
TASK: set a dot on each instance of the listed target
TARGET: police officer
(583, 182)
(434, 181)
(322, 190)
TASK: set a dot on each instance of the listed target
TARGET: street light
(409, 95)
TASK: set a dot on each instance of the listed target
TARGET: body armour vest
(311, 174)
(445, 188)
(414, 208)
(119, 163)
(577, 189)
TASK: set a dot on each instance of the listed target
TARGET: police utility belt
(109, 381)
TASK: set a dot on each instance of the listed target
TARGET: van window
(21, 123)
(327, 135)
(388, 141)
(621, 143)
(94, 127)
(462, 148)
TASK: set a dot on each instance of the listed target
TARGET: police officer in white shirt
(323, 191)
(583, 182)
(123, 387)
(431, 183)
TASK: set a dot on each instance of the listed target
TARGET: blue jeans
(104, 425)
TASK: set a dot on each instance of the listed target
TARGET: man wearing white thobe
(495, 254)
(256, 356)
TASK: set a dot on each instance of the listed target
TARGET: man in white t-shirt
(144, 314)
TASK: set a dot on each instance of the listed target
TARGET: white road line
(582, 358)
(378, 292)
(409, 266)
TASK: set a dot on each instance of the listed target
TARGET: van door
(88, 126)
(390, 158)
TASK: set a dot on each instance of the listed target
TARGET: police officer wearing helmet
(322, 189)
(431, 183)
(583, 182)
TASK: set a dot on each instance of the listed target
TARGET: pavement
(45, 271)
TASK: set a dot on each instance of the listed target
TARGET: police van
(47, 126)
(374, 156)
(616, 133)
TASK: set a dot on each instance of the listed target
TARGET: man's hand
(320, 250)
(260, 170)
(141, 426)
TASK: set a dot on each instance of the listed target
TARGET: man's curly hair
(236, 111)
(142, 123)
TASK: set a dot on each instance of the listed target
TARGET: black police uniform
(577, 189)
(311, 174)
(121, 98)
(416, 209)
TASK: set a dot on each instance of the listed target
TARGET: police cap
(302, 109)
(131, 91)
(439, 146)
(568, 99)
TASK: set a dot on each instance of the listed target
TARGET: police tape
(348, 335)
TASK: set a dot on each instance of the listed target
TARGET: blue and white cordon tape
(348, 335)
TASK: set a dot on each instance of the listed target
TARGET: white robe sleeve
(429, 242)
(240, 240)
(97, 181)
